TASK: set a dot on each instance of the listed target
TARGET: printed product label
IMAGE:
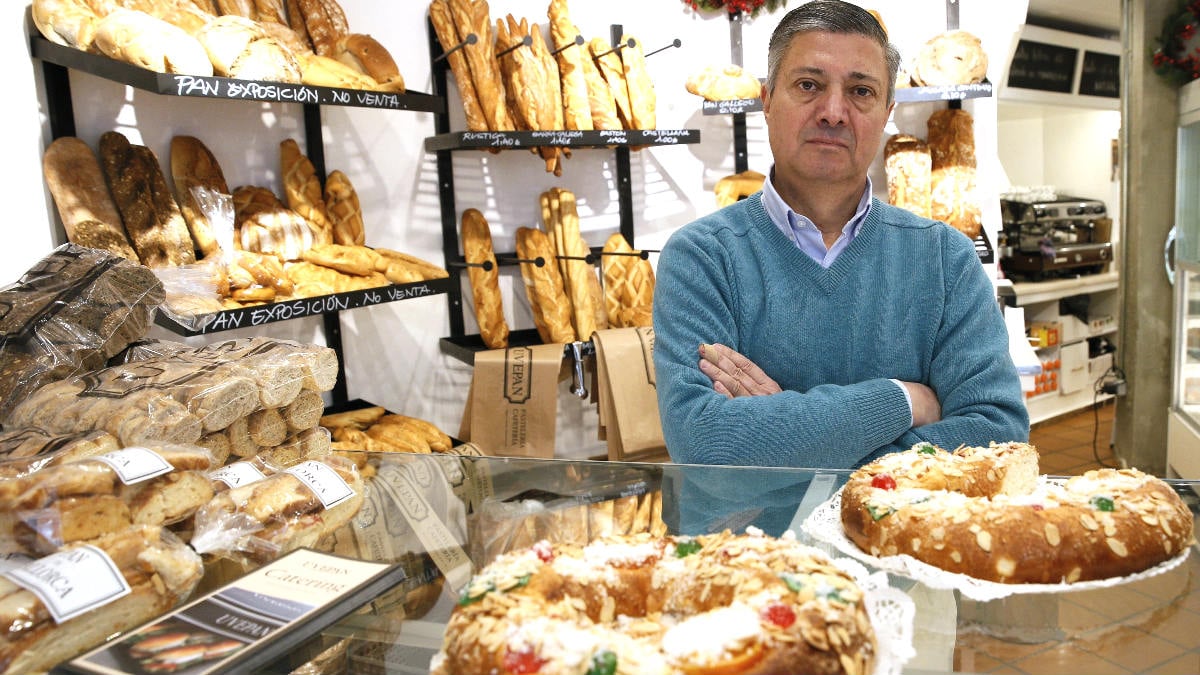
(136, 464)
(72, 582)
(323, 481)
(238, 473)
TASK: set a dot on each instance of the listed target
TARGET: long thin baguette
(577, 113)
(485, 284)
(642, 101)
(543, 284)
(447, 35)
(582, 285)
(609, 64)
(472, 16)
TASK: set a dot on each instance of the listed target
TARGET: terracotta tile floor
(1074, 443)
(1150, 626)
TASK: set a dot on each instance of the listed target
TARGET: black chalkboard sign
(1101, 75)
(1041, 66)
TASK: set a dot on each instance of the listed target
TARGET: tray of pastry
(229, 88)
(458, 140)
(295, 308)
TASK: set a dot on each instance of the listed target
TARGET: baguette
(302, 188)
(485, 284)
(579, 275)
(193, 165)
(472, 16)
(404, 266)
(543, 284)
(447, 35)
(345, 213)
(608, 62)
(600, 96)
(577, 113)
(642, 102)
(80, 193)
(356, 260)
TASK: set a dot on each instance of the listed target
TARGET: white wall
(392, 354)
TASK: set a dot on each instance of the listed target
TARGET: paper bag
(628, 406)
(512, 407)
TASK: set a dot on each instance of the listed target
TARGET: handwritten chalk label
(136, 464)
(237, 474)
(325, 483)
(71, 583)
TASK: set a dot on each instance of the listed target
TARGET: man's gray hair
(830, 16)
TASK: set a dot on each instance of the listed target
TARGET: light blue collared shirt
(805, 235)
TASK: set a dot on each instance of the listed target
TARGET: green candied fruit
(1101, 503)
(685, 548)
(879, 512)
(833, 594)
(793, 582)
(927, 449)
(604, 662)
(473, 592)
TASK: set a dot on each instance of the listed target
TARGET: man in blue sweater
(810, 324)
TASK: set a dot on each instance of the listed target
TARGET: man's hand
(925, 406)
(733, 374)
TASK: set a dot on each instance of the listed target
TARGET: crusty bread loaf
(347, 258)
(366, 55)
(951, 139)
(303, 191)
(81, 195)
(729, 189)
(531, 86)
(485, 283)
(321, 25)
(577, 112)
(909, 168)
(71, 23)
(448, 36)
(152, 218)
(326, 71)
(270, 11)
(544, 286)
(149, 42)
(312, 279)
(473, 16)
(600, 97)
(723, 83)
(266, 270)
(181, 13)
(225, 38)
(265, 225)
(345, 213)
(579, 276)
(242, 8)
(397, 265)
(628, 284)
(642, 99)
(952, 57)
(608, 62)
(193, 165)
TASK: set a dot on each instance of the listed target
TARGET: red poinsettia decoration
(748, 7)
(1177, 57)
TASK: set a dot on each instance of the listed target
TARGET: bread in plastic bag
(24, 450)
(67, 315)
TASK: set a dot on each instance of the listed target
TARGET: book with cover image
(247, 624)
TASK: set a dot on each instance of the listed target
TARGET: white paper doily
(825, 524)
(892, 613)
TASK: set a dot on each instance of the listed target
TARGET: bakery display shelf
(1019, 294)
(464, 347)
(258, 315)
(464, 140)
(948, 92)
(229, 88)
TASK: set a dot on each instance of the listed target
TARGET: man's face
(826, 115)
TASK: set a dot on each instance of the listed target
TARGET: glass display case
(1183, 426)
(445, 516)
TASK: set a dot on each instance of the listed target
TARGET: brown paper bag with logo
(512, 407)
(628, 404)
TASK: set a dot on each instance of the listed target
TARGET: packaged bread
(723, 83)
(160, 570)
(544, 287)
(264, 224)
(909, 168)
(297, 507)
(147, 205)
(952, 57)
(484, 273)
(81, 195)
(449, 38)
(302, 189)
(194, 166)
(366, 55)
(25, 450)
(67, 315)
(146, 41)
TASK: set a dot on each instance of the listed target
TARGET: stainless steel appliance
(1052, 238)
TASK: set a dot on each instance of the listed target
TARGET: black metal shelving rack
(58, 61)
(459, 344)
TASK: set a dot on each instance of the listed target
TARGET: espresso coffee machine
(1052, 238)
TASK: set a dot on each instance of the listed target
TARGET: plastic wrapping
(184, 396)
(194, 292)
(25, 450)
(67, 315)
(297, 507)
(83, 499)
(159, 570)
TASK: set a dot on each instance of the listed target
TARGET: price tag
(323, 481)
(237, 474)
(136, 464)
(72, 582)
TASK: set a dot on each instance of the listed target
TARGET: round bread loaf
(720, 603)
(984, 513)
(952, 57)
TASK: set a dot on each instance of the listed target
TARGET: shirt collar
(788, 220)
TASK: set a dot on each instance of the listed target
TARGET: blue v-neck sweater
(908, 299)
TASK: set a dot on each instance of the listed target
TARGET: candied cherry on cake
(884, 481)
(544, 551)
(523, 662)
(779, 614)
